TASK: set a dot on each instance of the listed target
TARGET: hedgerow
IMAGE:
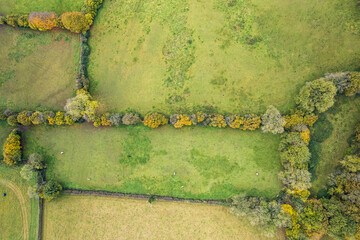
(12, 148)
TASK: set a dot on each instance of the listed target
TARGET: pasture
(93, 217)
(37, 69)
(227, 56)
(26, 6)
(191, 162)
(343, 117)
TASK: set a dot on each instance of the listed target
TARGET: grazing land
(208, 163)
(231, 56)
(93, 217)
(37, 69)
(26, 6)
(343, 117)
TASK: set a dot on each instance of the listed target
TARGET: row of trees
(76, 22)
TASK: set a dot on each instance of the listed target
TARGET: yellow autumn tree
(12, 148)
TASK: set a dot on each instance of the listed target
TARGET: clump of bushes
(12, 148)
(180, 120)
(298, 117)
(154, 120)
(217, 120)
(272, 121)
(131, 118)
(76, 22)
(90, 9)
(82, 106)
(43, 21)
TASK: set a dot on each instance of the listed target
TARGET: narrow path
(22, 201)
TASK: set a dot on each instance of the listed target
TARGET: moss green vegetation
(192, 163)
(235, 56)
(13, 225)
(129, 219)
(339, 125)
(37, 69)
(26, 6)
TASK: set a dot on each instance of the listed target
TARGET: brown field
(94, 217)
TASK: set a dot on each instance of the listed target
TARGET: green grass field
(229, 56)
(91, 217)
(37, 69)
(208, 163)
(26, 6)
(343, 116)
(5, 130)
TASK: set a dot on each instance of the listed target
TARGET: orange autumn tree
(43, 21)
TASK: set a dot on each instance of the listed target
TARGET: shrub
(38, 118)
(313, 218)
(23, 21)
(341, 80)
(105, 119)
(355, 84)
(2, 116)
(202, 118)
(131, 118)
(12, 120)
(251, 122)
(317, 95)
(27, 172)
(234, 121)
(24, 118)
(296, 179)
(91, 7)
(272, 121)
(75, 22)
(50, 190)
(81, 106)
(8, 113)
(12, 148)
(12, 20)
(43, 21)
(97, 122)
(115, 119)
(299, 117)
(50, 117)
(154, 120)
(59, 118)
(68, 119)
(217, 120)
(180, 120)
(2, 20)
(36, 161)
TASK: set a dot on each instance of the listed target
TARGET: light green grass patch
(26, 6)
(344, 116)
(208, 163)
(37, 69)
(228, 56)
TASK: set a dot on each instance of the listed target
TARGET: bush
(23, 21)
(317, 95)
(36, 161)
(313, 218)
(68, 119)
(12, 120)
(59, 118)
(50, 190)
(12, 20)
(251, 122)
(131, 118)
(154, 120)
(296, 179)
(299, 117)
(2, 20)
(50, 117)
(91, 7)
(115, 119)
(180, 120)
(27, 172)
(202, 118)
(43, 21)
(217, 120)
(341, 80)
(272, 121)
(12, 148)
(82, 106)
(24, 118)
(355, 84)
(234, 121)
(75, 22)
(38, 118)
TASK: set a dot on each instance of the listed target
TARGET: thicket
(43, 21)
(12, 148)
(76, 22)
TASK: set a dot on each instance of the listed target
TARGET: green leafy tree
(27, 172)
(36, 161)
(82, 106)
(313, 218)
(50, 190)
(317, 95)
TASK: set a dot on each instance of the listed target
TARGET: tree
(272, 121)
(38, 118)
(82, 106)
(76, 22)
(341, 80)
(12, 148)
(24, 118)
(317, 95)
(313, 218)
(43, 21)
(59, 118)
(131, 118)
(354, 87)
(50, 190)
(27, 172)
(36, 161)
(154, 120)
(68, 119)
(115, 119)
(12, 120)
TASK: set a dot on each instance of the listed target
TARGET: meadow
(37, 69)
(193, 163)
(25, 6)
(226, 56)
(341, 119)
(92, 217)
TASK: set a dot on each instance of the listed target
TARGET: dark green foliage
(321, 130)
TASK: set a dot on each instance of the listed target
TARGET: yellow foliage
(200, 117)
(43, 21)
(299, 117)
(105, 121)
(69, 120)
(251, 123)
(51, 120)
(305, 136)
(237, 122)
(217, 120)
(12, 149)
(154, 120)
(59, 118)
(182, 120)
(97, 122)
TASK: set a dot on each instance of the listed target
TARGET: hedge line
(43, 21)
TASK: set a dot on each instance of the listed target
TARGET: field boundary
(22, 202)
(41, 215)
(143, 196)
